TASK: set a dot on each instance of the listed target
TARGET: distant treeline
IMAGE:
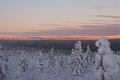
(57, 44)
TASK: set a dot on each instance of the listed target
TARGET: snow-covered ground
(36, 65)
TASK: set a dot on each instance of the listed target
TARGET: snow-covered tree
(2, 67)
(2, 75)
(22, 62)
(77, 59)
(88, 49)
(78, 46)
(51, 60)
(41, 64)
(89, 56)
(107, 63)
(60, 61)
(51, 53)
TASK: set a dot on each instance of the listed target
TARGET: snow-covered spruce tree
(22, 63)
(51, 60)
(77, 60)
(2, 75)
(89, 57)
(107, 64)
(60, 65)
(3, 66)
(41, 64)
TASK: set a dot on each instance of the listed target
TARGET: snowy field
(39, 65)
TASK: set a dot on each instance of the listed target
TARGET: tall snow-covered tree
(89, 56)
(51, 60)
(88, 49)
(77, 59)
(3, 66)
(2, 75)
(51, 53)
(22, 62)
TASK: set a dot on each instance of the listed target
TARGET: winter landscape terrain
(76, 64)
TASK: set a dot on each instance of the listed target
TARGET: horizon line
(72, 37)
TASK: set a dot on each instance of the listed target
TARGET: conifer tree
(77, 57)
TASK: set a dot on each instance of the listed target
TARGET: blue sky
(60, 17)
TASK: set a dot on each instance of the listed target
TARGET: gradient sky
(60, 17)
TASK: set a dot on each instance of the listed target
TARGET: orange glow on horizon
(28, 37)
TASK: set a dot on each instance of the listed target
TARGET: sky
(60, 17)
